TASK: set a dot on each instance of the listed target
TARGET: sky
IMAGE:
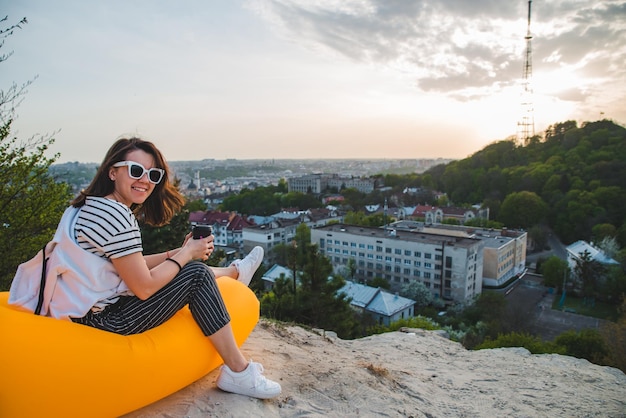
(321, 79)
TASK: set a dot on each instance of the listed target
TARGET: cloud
(460, 48)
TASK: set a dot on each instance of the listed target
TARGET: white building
(504, 254)
(450, 266)
(577, 249)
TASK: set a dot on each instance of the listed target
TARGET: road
(531, 297)
(557, 248)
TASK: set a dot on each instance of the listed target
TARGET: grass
(378, 371)
(598, 310)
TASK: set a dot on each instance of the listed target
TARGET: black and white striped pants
(195, 285)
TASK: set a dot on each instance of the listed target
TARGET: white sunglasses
(136, 171)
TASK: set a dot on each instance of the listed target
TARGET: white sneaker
(248, 265)
(250, 382)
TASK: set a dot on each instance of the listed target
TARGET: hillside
(403, 374)
(579, 172)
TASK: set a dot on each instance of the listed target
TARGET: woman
(132, 182)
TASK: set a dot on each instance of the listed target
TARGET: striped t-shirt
(108, 229)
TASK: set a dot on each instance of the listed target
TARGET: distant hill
(578, 171)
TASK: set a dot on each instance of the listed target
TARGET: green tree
(316, 302)
(587, 344)
(490, 309)
(197, 205)
(351, 268)
(614, 334)
(588, 273)
(539, 237)
(522, 210)
(31, 202)
(159, 239)
(554, 271)
(379, 282)
(418, 292)
(520, 339)
(320, 303)
(613, 287)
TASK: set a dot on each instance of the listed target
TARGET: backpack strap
(43, 280)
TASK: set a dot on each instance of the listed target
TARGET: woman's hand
(199, 249)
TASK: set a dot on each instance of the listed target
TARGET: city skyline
(289, 79)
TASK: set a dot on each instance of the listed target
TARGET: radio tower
(526, 127)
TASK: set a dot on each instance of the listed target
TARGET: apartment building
(317, 183)
(270, 234)
(312, 183)
(280, 228)
(437, 215)
(450, 266)
(504, 253)
(227, 227)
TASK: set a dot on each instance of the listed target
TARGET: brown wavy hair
(165, 200)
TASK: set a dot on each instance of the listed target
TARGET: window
(387, 259)
(428, 266)
(428, 255)
(397, 251)
(417, 254)
(417, 264)
(448, 262)
(379, 248)
(388, 250)
(407, 253)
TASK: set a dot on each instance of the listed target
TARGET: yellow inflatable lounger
(54, 368)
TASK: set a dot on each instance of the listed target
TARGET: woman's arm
(154, 260)
(144, 281)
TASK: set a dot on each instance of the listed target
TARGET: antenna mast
(526, 127)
